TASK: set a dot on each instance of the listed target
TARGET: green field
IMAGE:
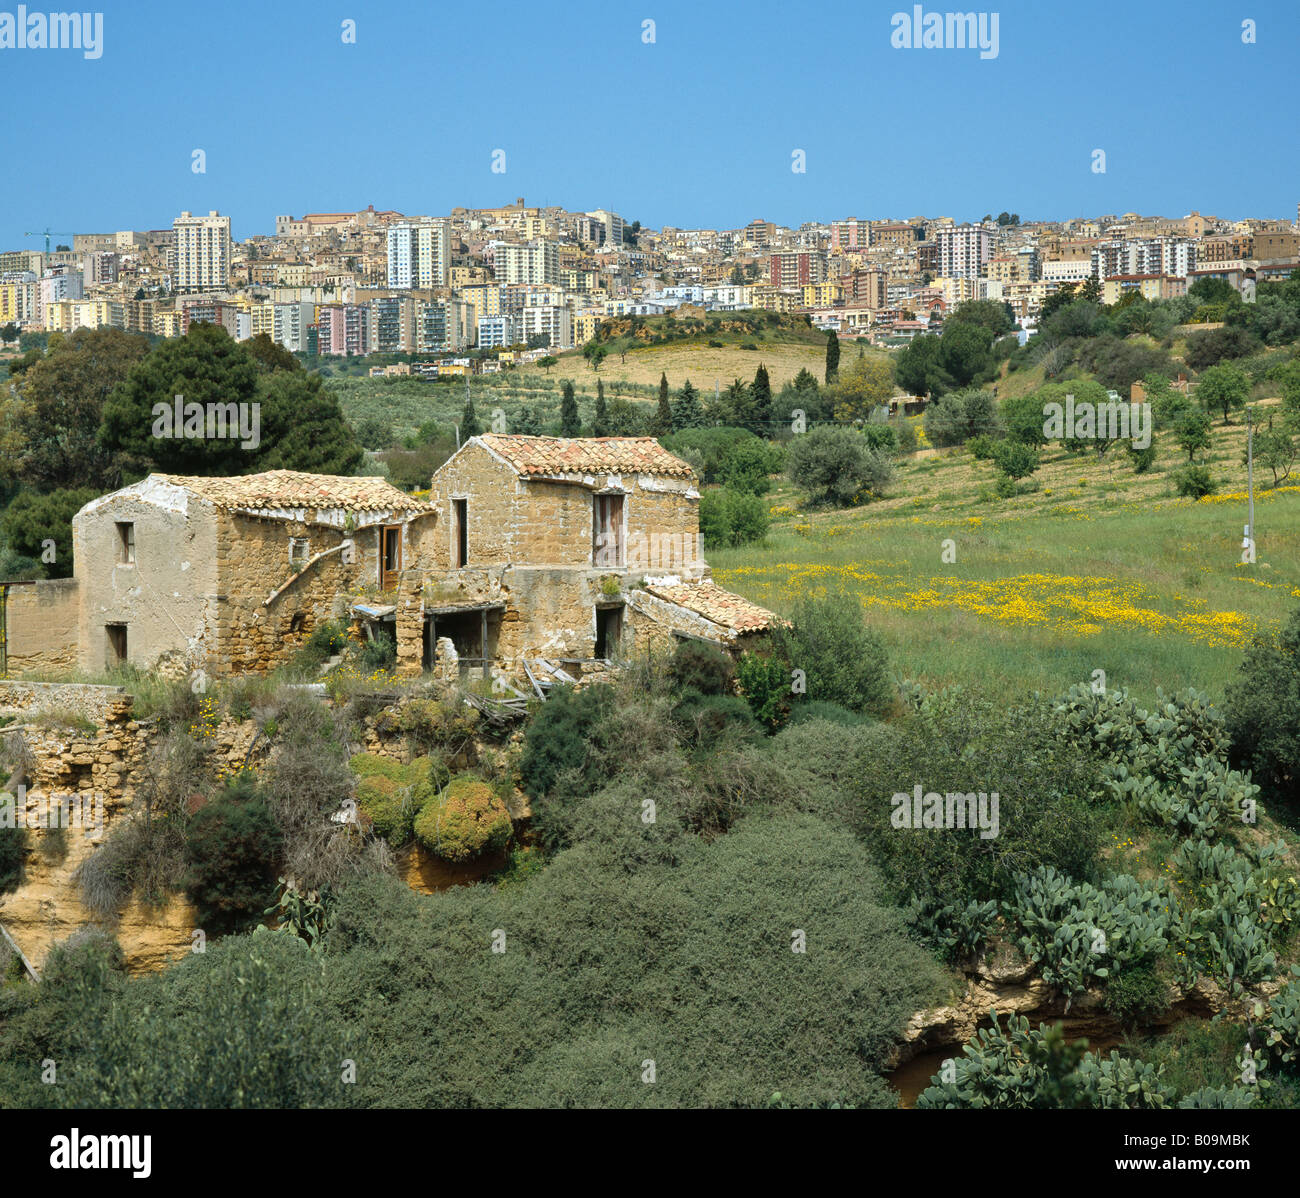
(1099, 568)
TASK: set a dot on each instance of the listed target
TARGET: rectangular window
(390, 555)
(607, 531)
(459, 533)
(299, 551)
(116, 644)
(125, 544)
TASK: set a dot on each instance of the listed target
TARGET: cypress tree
(600, 424)
(570, 421)
(832, 356)
(664, 416)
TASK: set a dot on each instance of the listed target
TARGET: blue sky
(697, 128)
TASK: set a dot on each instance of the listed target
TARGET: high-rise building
(419, 254)
(963, 251)
(202, 252)
(290, 323)
(536, 262)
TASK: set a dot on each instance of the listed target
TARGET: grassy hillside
(1099, 568)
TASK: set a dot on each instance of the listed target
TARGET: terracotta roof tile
(713, 603)
(586, 455)
(294, 489)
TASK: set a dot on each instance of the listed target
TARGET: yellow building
(10, 304)
(167, 324)
(822, 295)
(484, 298)
(585, 325)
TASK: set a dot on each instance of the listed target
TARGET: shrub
(447, 725)
(956, 417)
(1262, 714)
(765, 684)
(380, 654)
(837, 466)
(13, 852)
(233, 855)
(555, 737)
(703, 668)
(730, 518)
(1015, 459)
(1194, 481)
(140, 856)
(464, 821)
(817, 709)
(843, 660)
(982, 447)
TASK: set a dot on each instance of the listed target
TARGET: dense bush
(554, 740)
(842, 658)
(233, 853)
(1262, 713)
(464, 820)
(696, 666)
(1194, 482)
(954, 418)
(837, 466)
(729, 518)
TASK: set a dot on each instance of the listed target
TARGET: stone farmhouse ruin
(567, 552)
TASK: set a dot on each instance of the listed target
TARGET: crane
(48, 233)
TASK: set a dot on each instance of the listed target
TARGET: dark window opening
(459, 533)
(125, 544)
(116, 644)
(609, 631)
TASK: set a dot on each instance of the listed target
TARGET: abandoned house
(572, 551)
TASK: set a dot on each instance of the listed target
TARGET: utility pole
(1248, 545)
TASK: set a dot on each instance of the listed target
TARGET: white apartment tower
(419, 254)
(964, 250)
(202, 252)
(536, 262)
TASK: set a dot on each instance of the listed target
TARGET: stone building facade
(570, 551)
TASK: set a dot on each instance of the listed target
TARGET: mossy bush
(463, 821)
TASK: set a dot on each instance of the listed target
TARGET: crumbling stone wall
(538, 535)
(41, 627)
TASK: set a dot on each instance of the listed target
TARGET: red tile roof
(713, 603)
(294, 489)
(586, 455)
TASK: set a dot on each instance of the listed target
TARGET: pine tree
(688, 412)
(600, 423)
(664, 416)
(832, 356)
(469, 425)
(570, 421)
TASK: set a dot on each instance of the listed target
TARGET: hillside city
(481, 289)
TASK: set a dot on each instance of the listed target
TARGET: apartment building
(443, 325)
(392, 324)
(537, 262)
(289, 324)
(343, 330)
(419, 254)
(552, 321)
(201, 252)
(796, 269)
(851, 234)
(964, 251)
(498, 332)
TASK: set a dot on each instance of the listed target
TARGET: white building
(498, 332)
(536, 262)
(419, 254)
(964, 250)
(289, 325)
(202, 252)
(551, 320)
